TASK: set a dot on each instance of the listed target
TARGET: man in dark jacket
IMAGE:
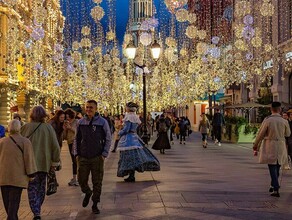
(217, 123)
(93, 140)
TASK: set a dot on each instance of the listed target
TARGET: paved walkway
(222, 183)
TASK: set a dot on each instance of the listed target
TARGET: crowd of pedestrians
(36, 146)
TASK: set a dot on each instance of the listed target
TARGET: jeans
(274, 173)
(95, 166)
(73, 158)
(204, 136)
(11, 198)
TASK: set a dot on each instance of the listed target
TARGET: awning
(248, 105)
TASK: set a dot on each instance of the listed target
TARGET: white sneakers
(219, 144)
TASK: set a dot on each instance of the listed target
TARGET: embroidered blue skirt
(140, 159)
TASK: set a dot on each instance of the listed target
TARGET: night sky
(77, 14)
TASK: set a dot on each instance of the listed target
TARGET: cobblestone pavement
(222, 183)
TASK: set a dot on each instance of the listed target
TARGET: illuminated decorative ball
(149, 24)
(248, 33)
(146, 38)
(85, 30)
(110, 35)
(85, 42)
(249, 56)
(239, 44)
(238, 56)
(97, 13)
(183, 52)
(192, 18)
(170, 41)
(172, 5)
(181, 15)
(191, 31)
(268, 47)
(248, 20)
(75, 45)
(201, 48)
(202, 34)
(97, 1)
(215, 40)
(215, 52)
(238, 28)
(256, 42)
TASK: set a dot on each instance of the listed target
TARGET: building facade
(29, 32)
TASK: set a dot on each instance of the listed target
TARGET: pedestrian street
(222, 183)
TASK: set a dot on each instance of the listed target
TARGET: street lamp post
(131, 53)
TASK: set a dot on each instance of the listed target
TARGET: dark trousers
(204, 136)
(116, 145)
(11, 196)
(275, 173)
(182, 137)
(73, 159)
(36, 192)
(95, 166)
(217, 132)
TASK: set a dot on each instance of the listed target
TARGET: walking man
(272, 145)
(217, 123)
(93, 141)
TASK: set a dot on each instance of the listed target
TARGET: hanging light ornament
(97, 13)
(97, 1)
(256, 42)
(202, 34)
(191, 31)
(146, 38)
(173, 5)
(85, 42)
(201, 48)
(110, 35)
(75, 45)
(85, 30)
(192, 18)
(182, 15)
(170, 41)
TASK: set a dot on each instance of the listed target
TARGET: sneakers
(184, 142)
(219, 144)
(73, 182)
(86, 199)
(95, 209)
(216, 141)
(172, 143)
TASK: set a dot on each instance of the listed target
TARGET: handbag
(52, 184)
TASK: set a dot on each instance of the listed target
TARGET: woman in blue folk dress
(133, 155)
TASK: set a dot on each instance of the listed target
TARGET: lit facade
(29, 31)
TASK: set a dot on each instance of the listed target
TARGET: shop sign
(268, 64)
(288, 56)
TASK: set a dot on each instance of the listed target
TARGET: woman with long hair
(57, 123)
(204, 127)
(70, 127)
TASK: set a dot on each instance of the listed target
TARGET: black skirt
(162, 142)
